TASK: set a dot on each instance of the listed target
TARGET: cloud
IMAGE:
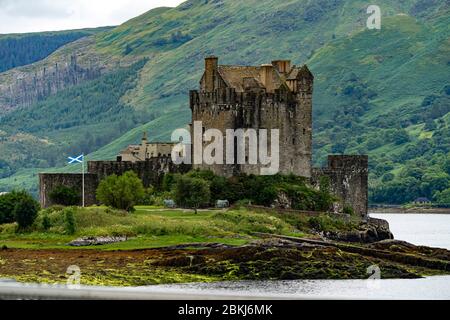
(18, 16)
(41, 8)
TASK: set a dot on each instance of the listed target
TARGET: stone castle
(270, 96)
(145, 150)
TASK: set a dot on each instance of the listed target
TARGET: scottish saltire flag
(78, 159)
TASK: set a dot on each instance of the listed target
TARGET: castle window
(293, 141)
(304, 131)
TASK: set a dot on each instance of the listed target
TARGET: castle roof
(234, 76)
(297, 73)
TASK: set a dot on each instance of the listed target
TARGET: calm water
(429, 230)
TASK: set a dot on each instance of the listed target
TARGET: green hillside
(21, 49)
(385, 93)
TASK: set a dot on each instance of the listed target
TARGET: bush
(149, 197)
(8, 203)
(259, 190)
(122, 192)
(349, 210)
(25, 211)
(169, 181)
(192, 192)
(69, 221)
(65, 196)
(46, 223)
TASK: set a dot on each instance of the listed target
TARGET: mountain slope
(21, 49)
(368, 83)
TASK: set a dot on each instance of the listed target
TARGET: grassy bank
(152, 227)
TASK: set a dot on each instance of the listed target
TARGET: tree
(192, 192)
(26, 211)
(65, 196)
(122, 192)
(430, 125)
(8, 203)
(443, 198)
(388, 177)
(401, 137)
(446, 165)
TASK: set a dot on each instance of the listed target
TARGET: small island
(144, 219)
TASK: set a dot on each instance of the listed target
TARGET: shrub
(6, 208)
(26, 211)
(349, 210)
(259, 190)
(65, 196)
(122, 192)
(169, 181)
(149, 197)
(46, 223)
(8, 203)
(192, 192)
(69, 221)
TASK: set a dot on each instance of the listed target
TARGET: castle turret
(211, 64)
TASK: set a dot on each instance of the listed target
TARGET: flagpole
(82, 175)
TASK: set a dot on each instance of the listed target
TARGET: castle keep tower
(270, 96)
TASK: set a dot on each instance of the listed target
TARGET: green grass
(38, 242)
(149, 227)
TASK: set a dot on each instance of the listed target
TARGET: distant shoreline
(398, 210)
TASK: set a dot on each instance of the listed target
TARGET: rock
(96, 241)
(374, 230)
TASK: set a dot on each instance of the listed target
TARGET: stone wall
(348, 176)
(49, 181)
(151, 171)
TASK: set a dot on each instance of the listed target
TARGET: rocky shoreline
(418, 210)
(350, 253)
(269, 258)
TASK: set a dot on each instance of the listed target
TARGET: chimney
(282, 66)
(144, 138)
(266, 77)
(211, 64)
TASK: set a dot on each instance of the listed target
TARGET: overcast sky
(17, 16)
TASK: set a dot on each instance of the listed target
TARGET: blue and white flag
(78, 159)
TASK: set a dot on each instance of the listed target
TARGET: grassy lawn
(153, 227)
